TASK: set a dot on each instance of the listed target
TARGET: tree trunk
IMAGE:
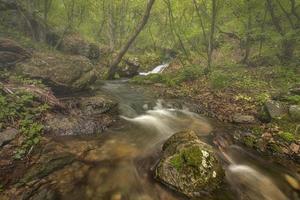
(212, 35)
(248, 34)
(114, 65)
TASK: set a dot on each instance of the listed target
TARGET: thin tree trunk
(249, 27)
(174, 31)
(287, 45)
(114, 65)
(212, 34)
(263, 30)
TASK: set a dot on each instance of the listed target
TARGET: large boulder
(129, 68)
(60, 72)
(189, 165)
(76, 45)
(11, 52)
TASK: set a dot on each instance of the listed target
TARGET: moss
(250, 141)
(193, 156)
(287, 136)
(177, 162)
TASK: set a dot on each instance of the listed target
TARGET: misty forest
(149, 99)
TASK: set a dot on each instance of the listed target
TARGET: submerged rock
(189, 165)
(11, 52)
(47, 164)
(59, 71)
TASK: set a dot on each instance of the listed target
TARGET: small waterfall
(157, 70)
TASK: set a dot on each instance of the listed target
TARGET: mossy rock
(189, 165)
(60, 72)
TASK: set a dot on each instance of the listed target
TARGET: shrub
(219, 80)
(287, 136)
(295, 99)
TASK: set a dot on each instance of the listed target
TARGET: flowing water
(156, 70)
(134, 144)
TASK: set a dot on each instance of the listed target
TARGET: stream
(132, 148)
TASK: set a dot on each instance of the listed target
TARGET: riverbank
(243, 96)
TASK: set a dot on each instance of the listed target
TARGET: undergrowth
(22, 111)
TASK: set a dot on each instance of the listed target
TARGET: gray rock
(7, 136)
(294, 111)
(60, 72)
(89, 115)
(188, 165)
(129, 68)
(243, 119)
(98, 105)
(275, 109)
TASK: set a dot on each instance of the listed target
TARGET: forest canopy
(259, 28)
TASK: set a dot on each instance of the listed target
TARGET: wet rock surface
(87, 116)
(189, 166)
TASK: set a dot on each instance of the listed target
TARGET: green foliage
(32, 132)
(261, 98)
(219, 80)
(294, 99)
(287, 136)
(250, 141)
(25, 81)
(24, 112)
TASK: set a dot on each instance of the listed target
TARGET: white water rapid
(156, 70)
